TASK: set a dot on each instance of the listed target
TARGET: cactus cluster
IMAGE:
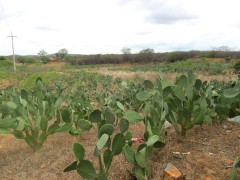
(35, 114)
(107, 146)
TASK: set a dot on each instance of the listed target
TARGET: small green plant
(155, 110)
(235, 168)
(106, 146)
(29, 115)
(228, 59)
(189, 104)
(141, 155)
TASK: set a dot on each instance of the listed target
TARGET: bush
(45, 59)
(23, 60)
(211, 54)
(6, 63)
(30, 60)
(237, 66)
(2, 58)
(228, 59)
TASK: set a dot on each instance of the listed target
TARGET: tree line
(147, 55)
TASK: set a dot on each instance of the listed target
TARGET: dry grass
(140, 76)
(127, 75)
(220, 60)
(5, 83)
(18, 161)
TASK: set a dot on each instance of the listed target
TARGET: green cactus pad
(79, 151)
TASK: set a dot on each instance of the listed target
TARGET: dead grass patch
(141, 76)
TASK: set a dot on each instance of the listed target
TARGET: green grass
(212, 68)
(6, 64)
(29, 81)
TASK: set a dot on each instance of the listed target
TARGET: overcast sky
(106, 26)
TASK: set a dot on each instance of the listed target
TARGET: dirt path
(210, 148)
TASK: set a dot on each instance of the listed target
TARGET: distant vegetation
(144, 56)
(148, 56)
(212, 68)
(25, 60)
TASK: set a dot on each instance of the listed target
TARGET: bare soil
(209, 149)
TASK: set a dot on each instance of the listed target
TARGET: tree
(222, 48)
(61, 54)
(42, 53)
(126, 53)
(147, 54)
(224, 52)
(43, 56)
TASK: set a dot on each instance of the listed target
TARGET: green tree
(147, 54)
(126, 53)
(43, 56)
(42, 53)
(61, 54)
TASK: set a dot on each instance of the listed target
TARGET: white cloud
(106, 26)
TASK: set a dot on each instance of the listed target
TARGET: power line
(14, 62)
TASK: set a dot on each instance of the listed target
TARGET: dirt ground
(209, 150)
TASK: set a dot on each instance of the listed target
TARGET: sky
(106, 26)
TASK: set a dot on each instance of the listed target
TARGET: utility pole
(14, 61)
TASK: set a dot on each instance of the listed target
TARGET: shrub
(30, 60)
(45, 59)
(2, 58)
(237, 66)
(211, 54)
(228, 59)
(23, 60)
(6, 63)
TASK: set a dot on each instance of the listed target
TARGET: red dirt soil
(210, 147)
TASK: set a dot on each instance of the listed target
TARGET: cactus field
(66, 123)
